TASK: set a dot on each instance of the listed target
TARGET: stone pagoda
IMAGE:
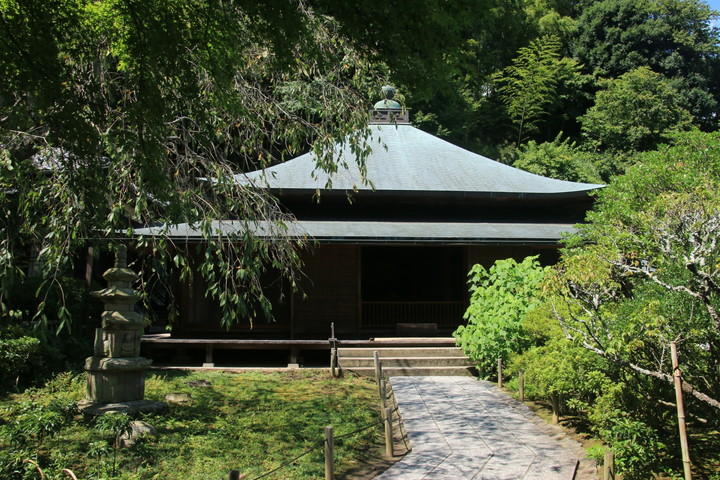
(116, 371)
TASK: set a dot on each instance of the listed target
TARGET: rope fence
(387, 415)
(306, 452)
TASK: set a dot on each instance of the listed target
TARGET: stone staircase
(406, 357)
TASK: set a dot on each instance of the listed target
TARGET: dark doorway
(412, 284)
(412, 273)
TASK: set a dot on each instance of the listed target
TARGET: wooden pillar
(378, 374)
(333, 362)
(209, 362)
(359, 322)
(89, 261)
(383, 395)
(292, 315)
(555, 400)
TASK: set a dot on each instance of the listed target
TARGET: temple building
(395, 259)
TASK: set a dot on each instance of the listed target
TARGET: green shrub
(500, 298)
(638, 449)
(563, 369)
(32, 348)
(19, 357)
(22, 436)
(597, 453)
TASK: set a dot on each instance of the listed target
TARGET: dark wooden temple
(395, 260)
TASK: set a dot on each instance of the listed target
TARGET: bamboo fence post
(389, 433)
(521, 386)
(329, 454)
(609, 465)
(677, 380)
(500, 372)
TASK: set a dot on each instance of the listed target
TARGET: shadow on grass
(258, 421)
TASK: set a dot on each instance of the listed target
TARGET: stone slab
(136, 406)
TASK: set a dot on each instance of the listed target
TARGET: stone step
(413, 371)
(458, 361)
(401, 352)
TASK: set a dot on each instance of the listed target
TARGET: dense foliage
(562, 59)
(640, 274)
(145, 111)
(119, 114)
(645, 270)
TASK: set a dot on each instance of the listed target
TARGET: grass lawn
(251, 422)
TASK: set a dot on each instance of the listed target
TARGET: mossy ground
(251, 422)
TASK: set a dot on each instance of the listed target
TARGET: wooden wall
(332, 292)
(200, 315)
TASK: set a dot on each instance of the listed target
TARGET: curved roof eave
(406, 160)
(372, 232)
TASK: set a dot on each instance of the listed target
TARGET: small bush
(22, 437)
(34, 348)
(638, 449)
(597, 453)
(19, 357)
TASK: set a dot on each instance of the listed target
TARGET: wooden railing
(388, 314)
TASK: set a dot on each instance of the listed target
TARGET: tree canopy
(674, 38)
(646, 269)
(121, 113)
(636, 112)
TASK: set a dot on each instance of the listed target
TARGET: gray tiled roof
(390, 232)
(406, 159)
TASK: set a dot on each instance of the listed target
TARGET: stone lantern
(116, 371)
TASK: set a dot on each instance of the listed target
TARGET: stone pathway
(464, 428)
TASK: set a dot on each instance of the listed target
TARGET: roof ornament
(389, 111)
(388, 103)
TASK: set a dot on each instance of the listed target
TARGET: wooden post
(521, 386)
(555, 400)
(333, 362)
(89, 260)
(388, 433)
(209, 362)
(383, 395)
(677, 380)
(378, 369)
(329, 454)
(609, 465)
(500, 372)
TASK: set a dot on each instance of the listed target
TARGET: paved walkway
(464, 428)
